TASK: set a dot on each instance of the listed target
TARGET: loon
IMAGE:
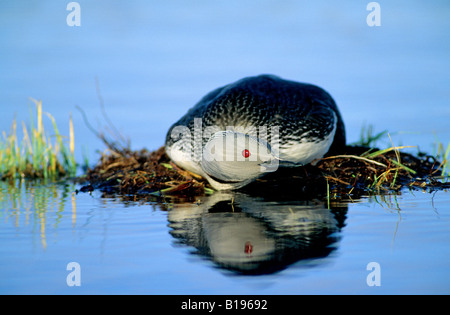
(239, 132)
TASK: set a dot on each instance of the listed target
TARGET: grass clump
(368, 138)
(38, 154)
(443, 154)
(142, 174)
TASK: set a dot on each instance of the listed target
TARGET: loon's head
(232, 159)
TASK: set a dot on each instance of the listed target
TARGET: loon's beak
(270, 166)
(285, 163)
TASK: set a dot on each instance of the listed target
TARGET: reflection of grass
(36, 156)
(36, 205)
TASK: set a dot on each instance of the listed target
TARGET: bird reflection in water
(253, 235)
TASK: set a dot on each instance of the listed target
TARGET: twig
(355, 157)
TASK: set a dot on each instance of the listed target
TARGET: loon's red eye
(246, 153)
(248, 248)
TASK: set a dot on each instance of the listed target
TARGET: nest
(356, 172)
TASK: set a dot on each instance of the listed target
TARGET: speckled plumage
(303, 111)
(306, 115)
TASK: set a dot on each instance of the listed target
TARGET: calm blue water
(191, 249)
(153, 60)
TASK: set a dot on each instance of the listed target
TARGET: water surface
(222, 244)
